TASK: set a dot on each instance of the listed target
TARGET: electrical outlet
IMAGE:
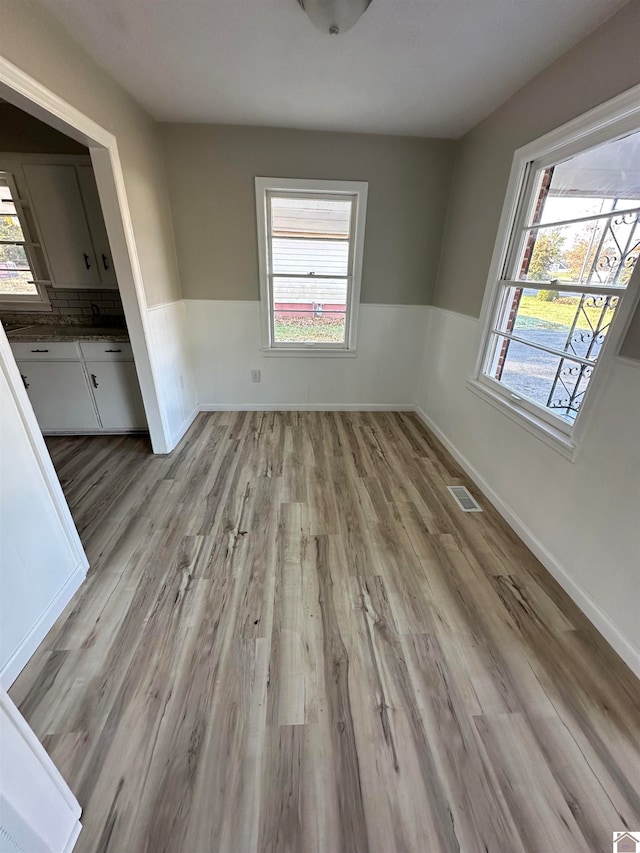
(255, 376)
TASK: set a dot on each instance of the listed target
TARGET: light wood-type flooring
(291, 640)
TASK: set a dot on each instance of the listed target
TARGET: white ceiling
(421, 67)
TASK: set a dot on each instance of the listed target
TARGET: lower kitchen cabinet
(79, 395)
(60, 395)
(117, 394)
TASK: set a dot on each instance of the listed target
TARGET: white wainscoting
(42, 562)
(580, 518)
(175, 376)
(225, 342)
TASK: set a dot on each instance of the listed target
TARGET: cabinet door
(117, 394)
(61, 219)
(60, 395)
(93, 209)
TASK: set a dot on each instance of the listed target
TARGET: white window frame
(613, 119)
(24, 302)
(356, 189)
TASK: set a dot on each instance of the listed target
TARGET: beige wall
(36, 43)
(24, 134)
(600, 67)
(211, 172)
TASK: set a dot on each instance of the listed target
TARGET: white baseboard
(592, 611)
(41, 628)
(307, 407)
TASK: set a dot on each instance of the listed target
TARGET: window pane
(309, 217)
(13, 257)
(602, 253)
(310, 294)
(10, 228)
(602, 179)
(321, 257)
(573, 323)
(15, 274)
(557, 383)
(17, 281)
(292, 325)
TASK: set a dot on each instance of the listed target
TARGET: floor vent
(464, 499)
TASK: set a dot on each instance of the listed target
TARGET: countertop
(66, 332)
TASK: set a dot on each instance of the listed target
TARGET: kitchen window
(20, 288)
(310, 238)
(565, 277)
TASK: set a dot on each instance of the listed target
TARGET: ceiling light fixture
(334, 16)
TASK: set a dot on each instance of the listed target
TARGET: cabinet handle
(24, 379)
(39, 350)
(113, 350)
(94, 380)
(104, 261)
(86, 261)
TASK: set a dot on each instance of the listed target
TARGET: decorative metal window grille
(572, 253)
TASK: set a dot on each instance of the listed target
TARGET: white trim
(257, 302)
(77, 829)
(306, 407)
(360, 190)
(161, 305)
(628, 362)
(311, 352)
(29, 94)
(598, 618)
(613, 118)
(41, 627)
(545, 432)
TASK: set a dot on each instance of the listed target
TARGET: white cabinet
(60, 395)
(93, 209)
(117, 394)
(68, 214)
(86, 388)
(59, 212)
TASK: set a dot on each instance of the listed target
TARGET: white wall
(42, 562)
(169, 341)
(580, 518)
(225, 342)
(38, 812)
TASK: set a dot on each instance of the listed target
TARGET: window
(563, 272)
(310, 238)
(20, 288)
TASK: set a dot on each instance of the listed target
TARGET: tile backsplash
(74, 307)
(85, 303)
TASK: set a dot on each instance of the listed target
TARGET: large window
(310, 235)
(20, 288)
(570, 253)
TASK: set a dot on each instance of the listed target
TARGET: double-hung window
(20, 287)
(564, 276)
(310, 238)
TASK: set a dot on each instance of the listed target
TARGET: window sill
(308, 352)
(552, 437)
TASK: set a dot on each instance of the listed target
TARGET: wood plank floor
(291, 640)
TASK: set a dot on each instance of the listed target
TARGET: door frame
(29, 95)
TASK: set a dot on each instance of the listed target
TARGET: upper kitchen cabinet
(95, 219)
(66, 208)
